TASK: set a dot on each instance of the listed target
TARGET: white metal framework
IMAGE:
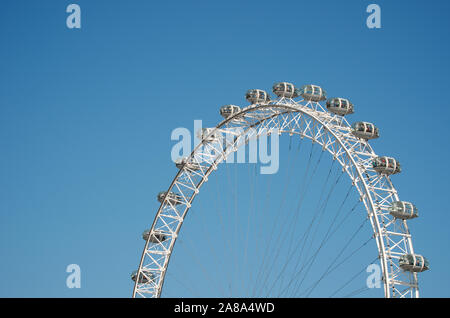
(308, 119)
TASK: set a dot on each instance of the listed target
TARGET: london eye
(308, 116)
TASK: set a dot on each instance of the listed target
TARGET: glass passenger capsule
(171, 197)
(313, 93)
(284, 89)
(208, 135)
(156, 237)
(365, 130)
(403, 210)
(340, 106)
(257, 96)
(386, 165)
(413, 263)
(187, 163)
(229, 110)
(144, 277)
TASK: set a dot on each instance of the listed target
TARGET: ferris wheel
(294, 112)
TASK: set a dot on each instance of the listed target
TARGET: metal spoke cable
(200, 265)
(254, 237)
(264, 270)
(336, 258)
(319, 213)
(233, 216)
(345, 217)
(251, 208)
(278, 216)
(208, 236)
(235, 257)
(321, 209)
(293, 231)
(263, 266)
(261, 217)
(209, 239)
(238, 234)
(339, 264)
(291, 228)
(190, 290)
(303, 190)
(305, 236)
(348, 146)
(350, 255)
(327, 236)
(352, 279)
(306, 181)
(226, 241)
(357, 292)
(293, 224)
(330, 267)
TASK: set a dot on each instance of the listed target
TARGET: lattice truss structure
(307, 119)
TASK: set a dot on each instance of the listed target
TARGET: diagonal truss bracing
(307, 120)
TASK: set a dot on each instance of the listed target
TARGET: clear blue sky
(86, 116)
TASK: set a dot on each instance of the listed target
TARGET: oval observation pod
(144, 277)
(313, 93)
(386, 165)
(171, 197)
(365, 130)
(413, 263)
(207, 134)
(257, 96)
(403, 210)
(156, 237)
(229, 110)
(187, 163)
(284, 89)
(340, 106)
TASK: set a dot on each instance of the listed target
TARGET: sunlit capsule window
(340, 106)
(187, 163)
(144, 277)
(313, 93)
(413, 263)
(386, 165)
(156, 237)
(208, 134)
(284, 89)
(229, 110)
(257, 96)
(171, 197)
(365, 130)
(403, 210)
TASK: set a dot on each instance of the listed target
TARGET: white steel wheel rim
(333, 133)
